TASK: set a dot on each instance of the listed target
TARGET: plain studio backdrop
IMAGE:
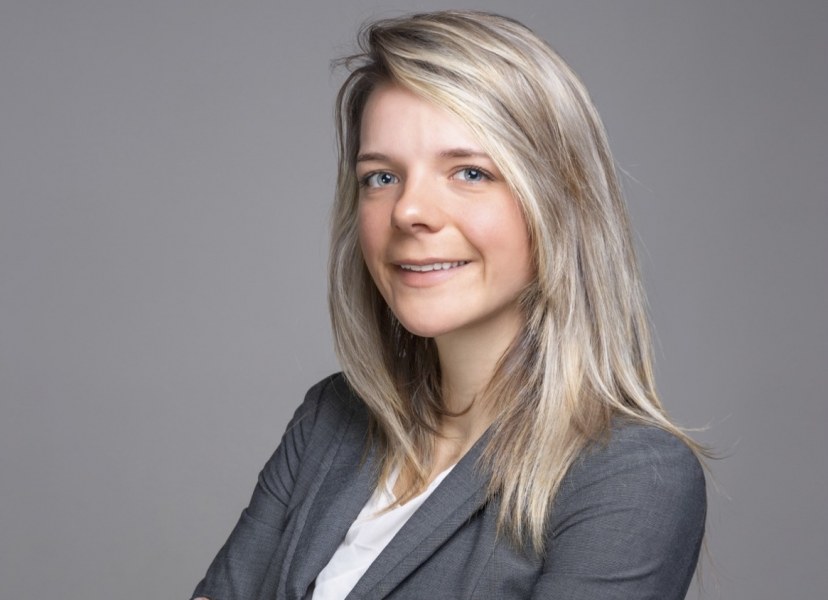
(166, 174)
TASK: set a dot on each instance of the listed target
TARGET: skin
(430, 194)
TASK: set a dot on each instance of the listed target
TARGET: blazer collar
(349, 480)
(450, 505)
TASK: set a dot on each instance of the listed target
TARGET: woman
(495, 432)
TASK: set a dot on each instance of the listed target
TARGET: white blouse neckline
(375, 526)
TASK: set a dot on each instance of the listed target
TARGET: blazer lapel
(348, 483)
(450, 505)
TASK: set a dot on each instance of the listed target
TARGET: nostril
(416, 211)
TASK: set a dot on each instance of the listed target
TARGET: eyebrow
(449, 153)
(371, 156)
(463, 153)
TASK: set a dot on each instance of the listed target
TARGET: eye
(378, 179)
(471, 175)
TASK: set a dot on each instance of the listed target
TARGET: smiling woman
(495, 432)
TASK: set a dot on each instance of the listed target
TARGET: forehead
(395, 117)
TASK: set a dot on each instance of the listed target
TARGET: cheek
(371, 235)
(502, 235)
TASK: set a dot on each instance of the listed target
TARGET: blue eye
(472, 174)
(379, 179)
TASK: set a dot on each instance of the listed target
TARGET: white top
(366, 538)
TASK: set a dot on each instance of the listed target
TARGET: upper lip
(427, 261)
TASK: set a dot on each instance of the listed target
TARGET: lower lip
(427, 278)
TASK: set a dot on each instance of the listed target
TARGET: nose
(417, 209)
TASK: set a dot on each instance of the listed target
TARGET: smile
(440, 266)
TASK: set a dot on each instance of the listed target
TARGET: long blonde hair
(583, 355)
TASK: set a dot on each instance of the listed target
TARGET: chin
(424, 327)
(422, 330)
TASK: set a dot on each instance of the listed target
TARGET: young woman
(495, 432)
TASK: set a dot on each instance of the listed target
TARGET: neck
(467, 363)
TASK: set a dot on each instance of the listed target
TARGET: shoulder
(329, 403)
(333, 393)
(633, 446)
(641, 466)
(328, 407)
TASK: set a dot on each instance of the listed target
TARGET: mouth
(436, 266)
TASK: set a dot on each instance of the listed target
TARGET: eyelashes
(467, 174)
(472, 175)
(377, 179)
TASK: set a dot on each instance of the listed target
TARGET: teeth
(433, 267)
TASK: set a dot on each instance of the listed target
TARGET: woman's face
(441, 234)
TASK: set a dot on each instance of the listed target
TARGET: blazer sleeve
(240, 566)
(628, 522)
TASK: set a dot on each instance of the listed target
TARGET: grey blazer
(627, 523)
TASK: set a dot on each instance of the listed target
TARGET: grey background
(166, 170)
